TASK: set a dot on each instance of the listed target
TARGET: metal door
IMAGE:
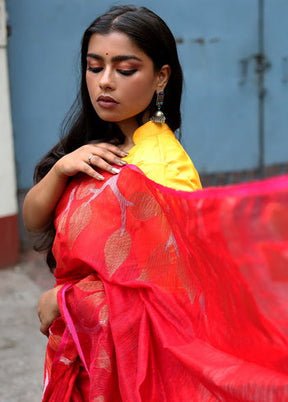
(275, 44)
(229, 124)
(220, 113)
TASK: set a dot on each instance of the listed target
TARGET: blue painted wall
(220, 104)
(276, 106)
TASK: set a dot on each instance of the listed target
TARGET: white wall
(8, 203)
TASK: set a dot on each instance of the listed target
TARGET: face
(120, 78)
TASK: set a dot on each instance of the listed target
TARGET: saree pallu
(169, 295)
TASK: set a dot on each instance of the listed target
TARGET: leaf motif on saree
(78, 221)
(54, 341)
(117, 249)
(104, 315)
(99, 398)
(144, 206)
(84, 190)
(103, 360)
(87, 309)
(62, 219)
(90, 286)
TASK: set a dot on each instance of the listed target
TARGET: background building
(9, 244)
(235, 60)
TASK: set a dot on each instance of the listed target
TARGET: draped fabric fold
(170, 295)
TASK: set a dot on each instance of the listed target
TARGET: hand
(87, 157)
(48, 309)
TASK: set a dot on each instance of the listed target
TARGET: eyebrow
(115, 59)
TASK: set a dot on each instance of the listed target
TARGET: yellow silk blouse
(162, 158)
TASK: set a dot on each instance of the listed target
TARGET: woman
(137, 313)
(128, 57)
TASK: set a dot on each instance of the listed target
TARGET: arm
(41, 200)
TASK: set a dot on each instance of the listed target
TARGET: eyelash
(96, 70)
(127, 72)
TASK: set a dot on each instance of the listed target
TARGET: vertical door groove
(260, 70)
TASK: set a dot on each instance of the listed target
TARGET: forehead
(114, 43)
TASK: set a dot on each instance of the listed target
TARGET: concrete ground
(22, 346)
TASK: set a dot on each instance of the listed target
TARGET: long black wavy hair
(82, 124)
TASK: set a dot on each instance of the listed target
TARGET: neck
(128, 128)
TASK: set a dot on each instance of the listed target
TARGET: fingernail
(99, 177)
(114, 170)
(125, 153)
(122, 162)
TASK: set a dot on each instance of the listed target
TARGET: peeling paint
(200, 41)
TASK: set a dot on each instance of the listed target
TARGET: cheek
(91, 94)
(141, 92)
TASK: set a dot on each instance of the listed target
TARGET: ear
(163, 77)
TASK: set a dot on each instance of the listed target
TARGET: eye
(95, 69)
(127, 72)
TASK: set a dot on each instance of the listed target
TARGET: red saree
(168, 295)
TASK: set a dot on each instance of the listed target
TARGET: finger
(109, 154)
(90, 171)
(96, 161)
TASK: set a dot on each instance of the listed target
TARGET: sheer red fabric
(168, 295)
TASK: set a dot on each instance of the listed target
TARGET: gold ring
(89, 158)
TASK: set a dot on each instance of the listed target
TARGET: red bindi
(107, 54)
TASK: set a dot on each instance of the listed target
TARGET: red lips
(106, 102)
(107, 99)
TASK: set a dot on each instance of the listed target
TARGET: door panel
(276, 82)
(220, 106)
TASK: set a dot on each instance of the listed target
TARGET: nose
(106, 80)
